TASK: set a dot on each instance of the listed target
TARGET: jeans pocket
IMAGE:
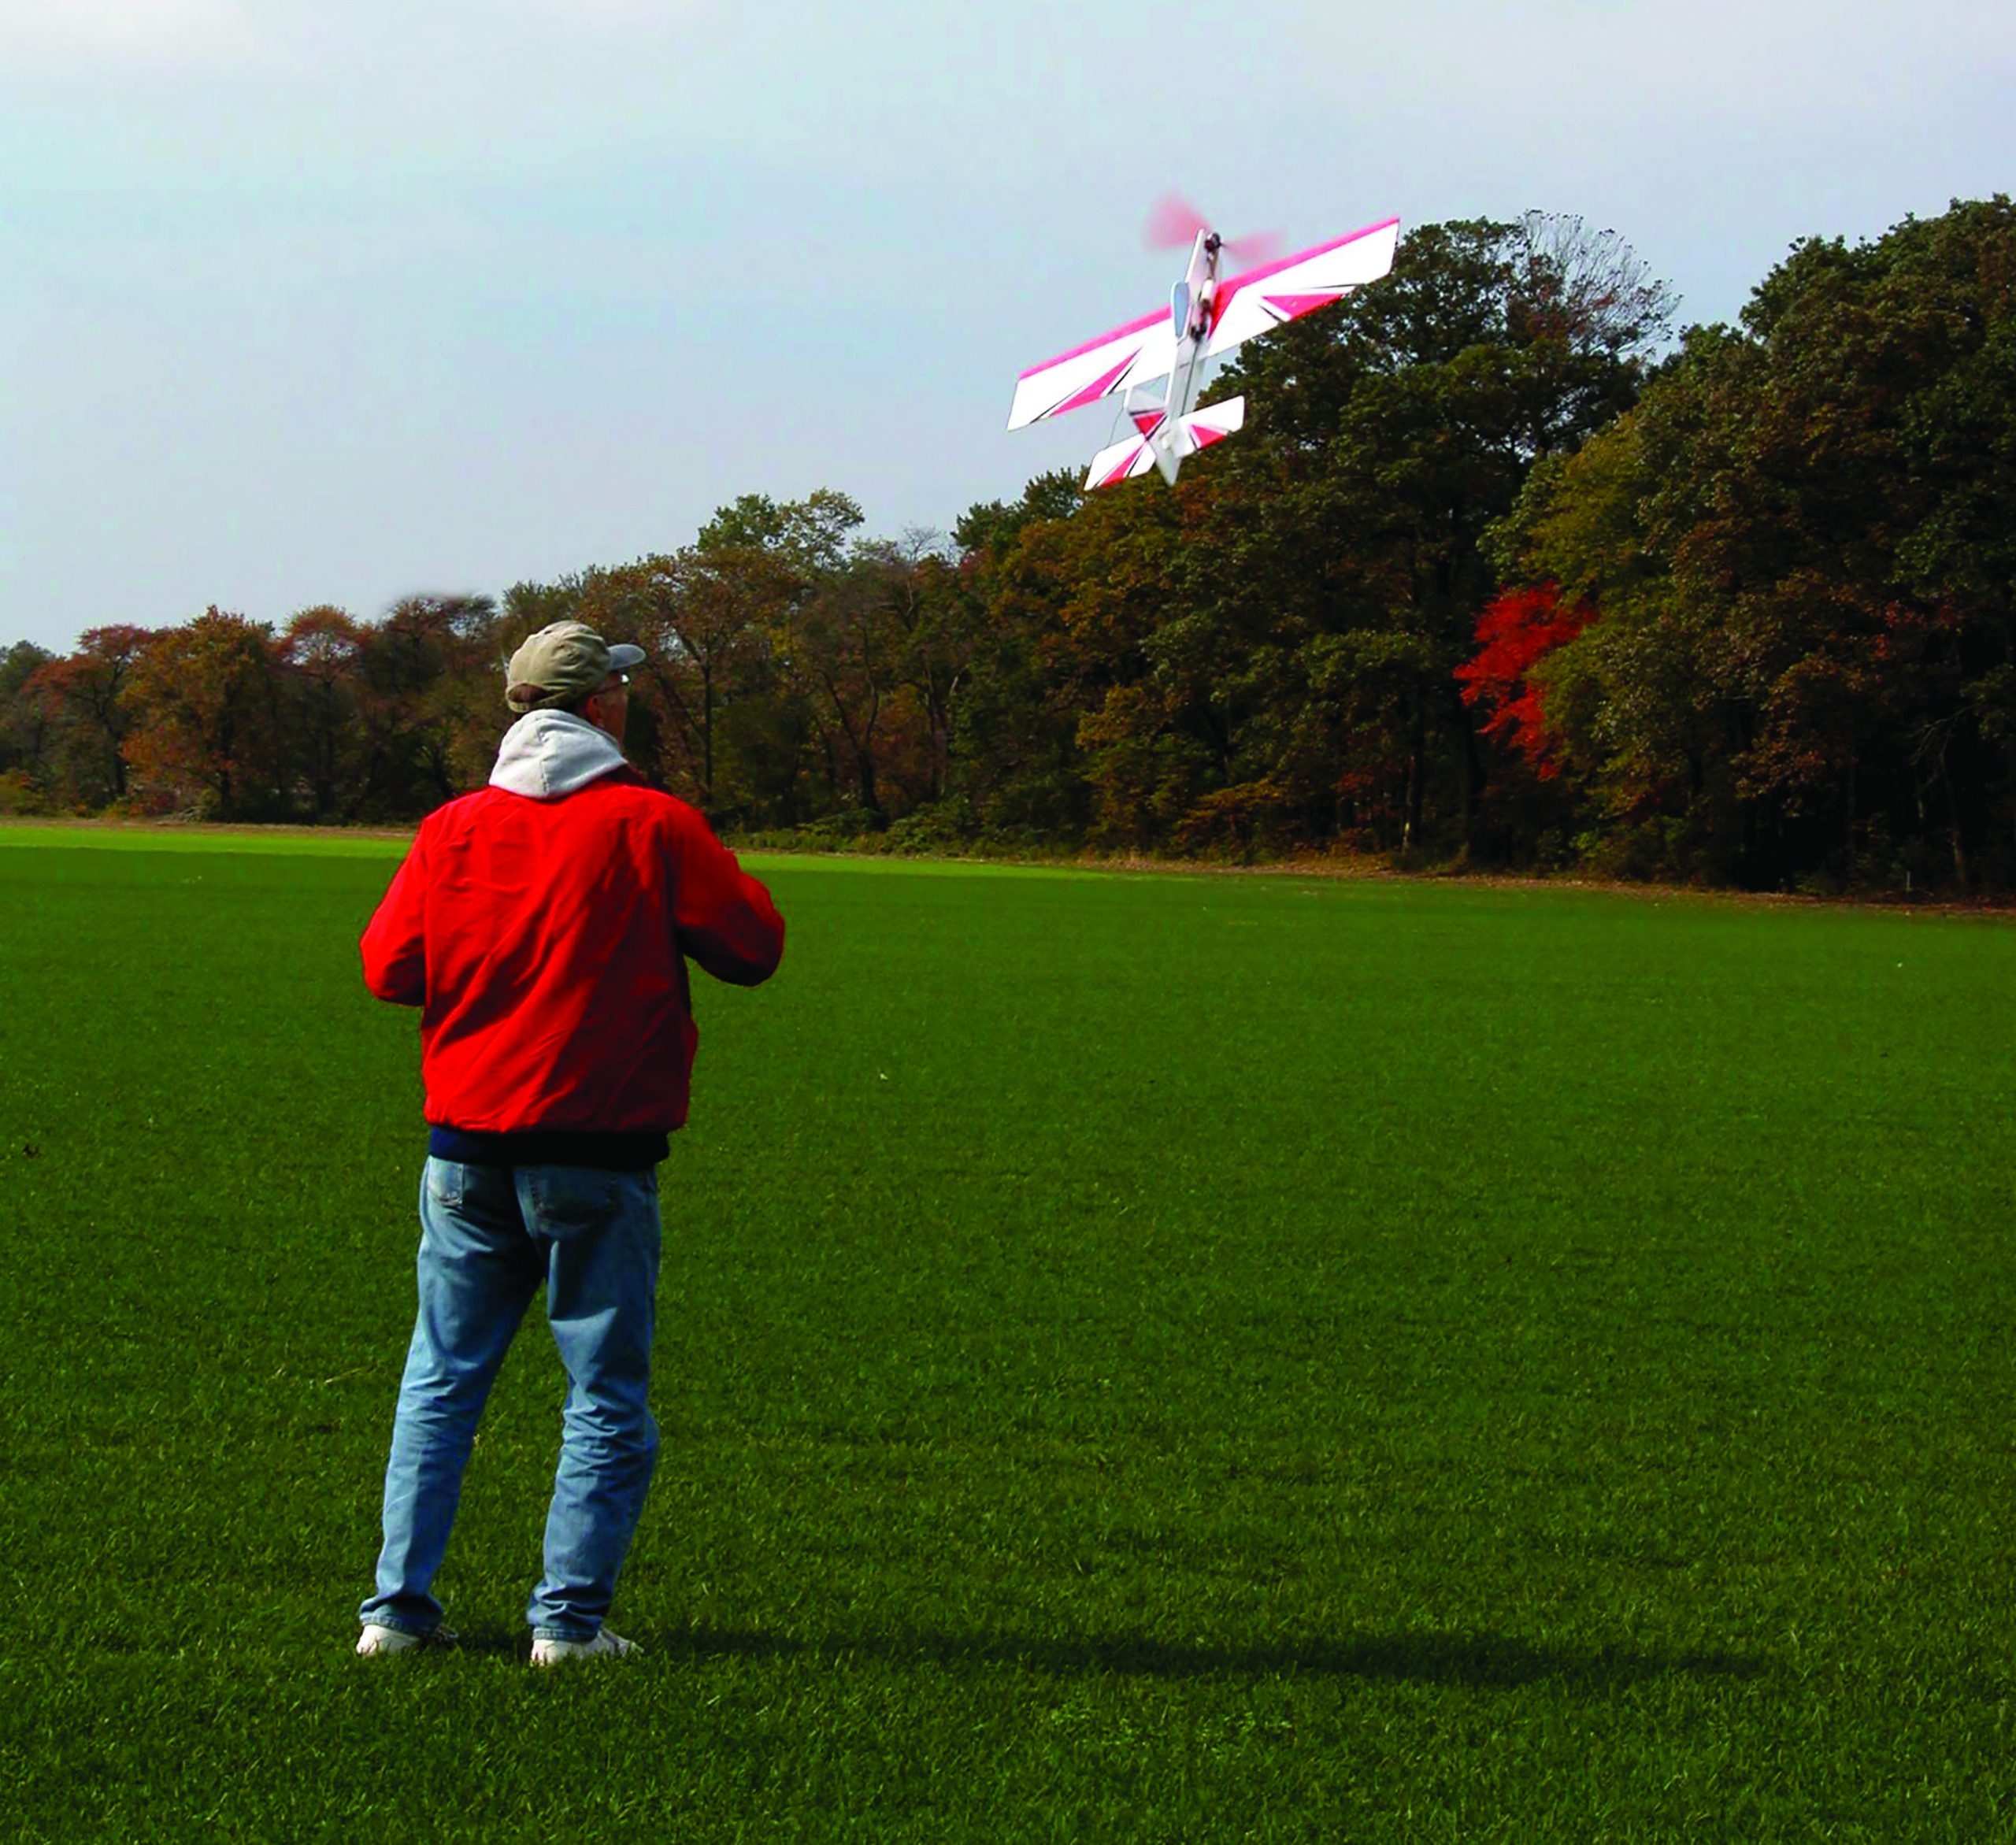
(444, 1182)
(569, 1200)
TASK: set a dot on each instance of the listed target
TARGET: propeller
(1173, 222)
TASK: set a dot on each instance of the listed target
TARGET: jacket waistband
(550, 1147)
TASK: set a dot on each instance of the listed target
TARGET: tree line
(1498, 574)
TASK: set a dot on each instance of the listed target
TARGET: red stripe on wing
(1093, 392)
(1289, 306)
(1122, 469)
(1301, 256)
(1141, 325)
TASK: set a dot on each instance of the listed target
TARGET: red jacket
(546, 942)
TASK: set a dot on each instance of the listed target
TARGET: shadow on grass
(1482, 1659)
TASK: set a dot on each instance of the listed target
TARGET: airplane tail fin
(1163, 445)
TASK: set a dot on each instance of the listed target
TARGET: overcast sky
(302, 302)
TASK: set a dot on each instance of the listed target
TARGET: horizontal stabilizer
(1122, 461)
(1163, 445)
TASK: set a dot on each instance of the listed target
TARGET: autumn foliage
(1518, 628)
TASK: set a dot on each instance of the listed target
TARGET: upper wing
(1276, 293)
(1142, 349)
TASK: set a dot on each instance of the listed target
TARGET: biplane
(1207, 316)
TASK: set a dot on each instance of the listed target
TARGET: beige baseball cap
(562, 663)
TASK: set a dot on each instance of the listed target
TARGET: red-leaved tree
(1518, 628)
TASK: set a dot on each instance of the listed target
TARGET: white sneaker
(604, 1645)
(376, 1641)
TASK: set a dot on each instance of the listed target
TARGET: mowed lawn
(1143, 1357)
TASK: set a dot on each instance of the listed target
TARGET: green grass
(1160, 1358)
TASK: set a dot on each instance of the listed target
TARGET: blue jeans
(489, 1236)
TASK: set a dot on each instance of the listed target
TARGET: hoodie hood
(549, 754)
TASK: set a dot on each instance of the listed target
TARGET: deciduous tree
(207, 729)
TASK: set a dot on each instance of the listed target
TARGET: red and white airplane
(1207, 317)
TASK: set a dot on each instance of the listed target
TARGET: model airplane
(1207, 317)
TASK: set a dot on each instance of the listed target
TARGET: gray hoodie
(549, 754)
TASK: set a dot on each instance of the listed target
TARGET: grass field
(1143, 1358)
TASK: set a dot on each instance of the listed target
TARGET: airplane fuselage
(1190, 303)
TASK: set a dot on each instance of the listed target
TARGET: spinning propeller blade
(1174, 222)
(1262, 246)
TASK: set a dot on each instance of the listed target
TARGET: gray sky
(303, 303)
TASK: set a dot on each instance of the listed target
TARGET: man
(543, 925)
